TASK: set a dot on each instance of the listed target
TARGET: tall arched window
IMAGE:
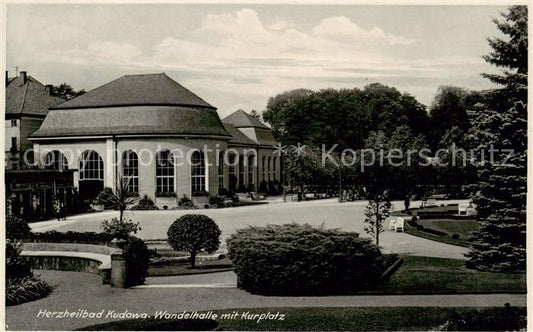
(91, 166)
(56, 160)
(251, 164)
(232, 178)
(241, 170)
(197, 172)
(274, 168)
(130, 170)
(221, 170)
(263, 168)
(164, 172)
(268, 168)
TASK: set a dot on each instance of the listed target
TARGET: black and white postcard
(307, 166)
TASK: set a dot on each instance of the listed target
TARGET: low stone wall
(64, 263)
(90, 258)
(75, 247)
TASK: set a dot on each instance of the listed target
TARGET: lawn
(326, 319)
(175, 269)
(462, 228)
(350, 319)
(425, 275)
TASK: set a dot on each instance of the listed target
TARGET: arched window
(232, 178)
(263, 168)
(221, 170)
(197, 172)
(56, 160)
(91, 166)
(251, 164)
(274, 168)
(130, 170)
(268, 168)
(241, 170)
(164, 172)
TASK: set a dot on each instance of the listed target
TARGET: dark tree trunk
(193, 259)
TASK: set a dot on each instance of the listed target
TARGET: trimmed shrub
(216, 200)
(71, 237)
(193, 233)
(120, 229)
(185, 203)
(137, 257)
(297, 259)
(17, 228)
(505, 318)
(455, 236)
(145, 203)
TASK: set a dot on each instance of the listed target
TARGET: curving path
(346, 216)
(75, 290)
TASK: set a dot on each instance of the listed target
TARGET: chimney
(49, 89)
(24, 76)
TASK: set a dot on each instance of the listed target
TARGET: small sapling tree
(377, 210)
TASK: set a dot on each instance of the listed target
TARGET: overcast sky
(237, 56)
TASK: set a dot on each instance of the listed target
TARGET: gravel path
(347, 216)
(75, 291)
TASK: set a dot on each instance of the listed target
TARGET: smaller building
(27, 103)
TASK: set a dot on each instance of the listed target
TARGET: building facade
(163, 139)
(27, 103)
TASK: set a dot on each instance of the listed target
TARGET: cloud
(343, 29)
(236, 52)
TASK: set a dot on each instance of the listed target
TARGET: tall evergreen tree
(500, 245)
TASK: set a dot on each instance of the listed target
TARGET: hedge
(17, 228)
(297, 259)
(71, 237)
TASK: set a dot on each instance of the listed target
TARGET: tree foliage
(65, 91)
(500, 245)
(344, 117)
(193, 233)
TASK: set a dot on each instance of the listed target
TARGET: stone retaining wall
(105, 261)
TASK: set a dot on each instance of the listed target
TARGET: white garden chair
(399, 224)
(392, 222)
(463, 208)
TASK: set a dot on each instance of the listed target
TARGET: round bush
(17, 228)
(145, 203)
(297, 259)
(455, 236)
(193, 233)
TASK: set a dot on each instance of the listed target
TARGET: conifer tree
(500, 244)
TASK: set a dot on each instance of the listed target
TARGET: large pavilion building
(166, 141)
